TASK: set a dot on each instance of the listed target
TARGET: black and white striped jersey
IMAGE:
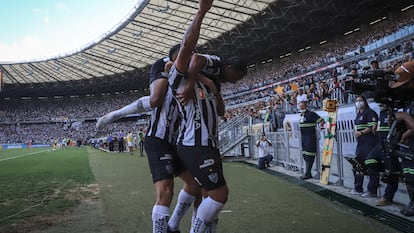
(164, 121)
(199, 125)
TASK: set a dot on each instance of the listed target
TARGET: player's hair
(238, 64)
(174, 51)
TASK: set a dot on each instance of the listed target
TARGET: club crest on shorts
(169, 168)
(213, 177)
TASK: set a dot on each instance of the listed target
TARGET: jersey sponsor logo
(207, 163)
(197, 117)
(213, 177)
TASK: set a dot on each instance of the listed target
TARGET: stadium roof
(253, 29)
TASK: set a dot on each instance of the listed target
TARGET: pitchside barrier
(22, 145)
(286, 148)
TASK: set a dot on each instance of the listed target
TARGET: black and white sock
(184, 202)
(160, 216)
(206, 213)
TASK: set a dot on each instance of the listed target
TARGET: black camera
(374, 84)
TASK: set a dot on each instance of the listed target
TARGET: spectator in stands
(375, 65)
(314, 97)
(336, 90)
(263, 149)
(324, 90)
(365, 122)
(308, 122)
(301, 97)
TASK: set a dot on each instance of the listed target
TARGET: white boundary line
(18, 156)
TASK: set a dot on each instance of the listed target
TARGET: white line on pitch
(225, 211)
(15, 157)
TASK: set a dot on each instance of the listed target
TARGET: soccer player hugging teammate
(197, 89)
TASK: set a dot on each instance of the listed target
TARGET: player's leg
(140, 105)
(161, 164)
(188, 194)
(206, 165)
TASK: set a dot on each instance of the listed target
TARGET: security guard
(405, 88)
(308, 121)
(365, 121)
(378, 161)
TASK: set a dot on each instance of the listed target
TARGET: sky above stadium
(39, 29)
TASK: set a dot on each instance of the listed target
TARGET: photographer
(264, 156)
(405, 88)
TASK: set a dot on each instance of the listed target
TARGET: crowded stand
(267, 93)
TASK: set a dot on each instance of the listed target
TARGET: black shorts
(162, 159)
(204, 163)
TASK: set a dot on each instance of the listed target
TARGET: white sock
(184, 202)
(206, 213)
(213, 226)
(193, 217)
(160, 215)
(138, 106)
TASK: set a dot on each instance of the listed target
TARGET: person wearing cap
(308, 122)
(405, 88)
(263, 148)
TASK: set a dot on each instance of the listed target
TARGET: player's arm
(221, 109)
(197, 63)
(158, 90)
(191, 37)
(158, 83)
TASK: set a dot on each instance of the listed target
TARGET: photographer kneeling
(405, 87)
(264, 157)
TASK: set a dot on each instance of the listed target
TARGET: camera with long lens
(376, 84)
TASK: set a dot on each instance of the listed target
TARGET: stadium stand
(46, 118)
